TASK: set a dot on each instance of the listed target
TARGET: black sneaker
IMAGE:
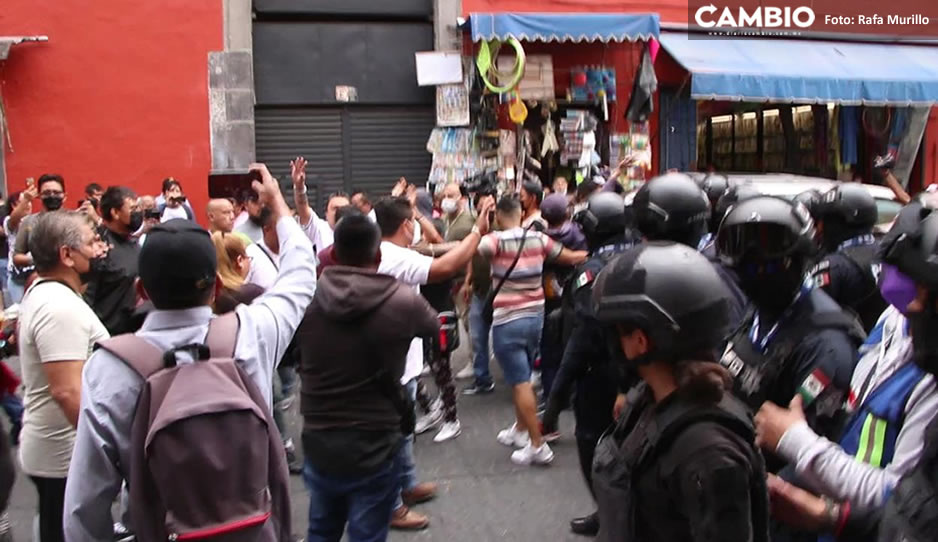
(477, 389)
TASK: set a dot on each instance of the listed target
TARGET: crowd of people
(740, 367)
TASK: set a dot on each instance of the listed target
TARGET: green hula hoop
(486, 62)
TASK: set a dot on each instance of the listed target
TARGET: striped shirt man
(522, 294)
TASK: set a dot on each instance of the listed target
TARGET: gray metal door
(348, 148)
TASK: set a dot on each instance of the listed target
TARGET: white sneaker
(425, 371)
(467, 372)
(428, 421)
(449, 430)
(513, 437)
(437, 404)
(529, 455)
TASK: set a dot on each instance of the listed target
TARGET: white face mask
(449, 206)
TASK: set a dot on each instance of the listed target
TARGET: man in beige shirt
(57, 332)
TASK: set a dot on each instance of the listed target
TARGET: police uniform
(586, 366)
(849, 275)
(810, 350)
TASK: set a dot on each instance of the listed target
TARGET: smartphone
(151, 214)
(231, 184)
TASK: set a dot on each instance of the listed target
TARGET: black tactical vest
(912, 511)
(869, 304)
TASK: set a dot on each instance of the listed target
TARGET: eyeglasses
(47, 193)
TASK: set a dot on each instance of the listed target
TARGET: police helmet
(810, 199)
(733, 195)
(714, 185)
(765, 228)
(672, 207)
(603, 218)
(669, 291)
(912, 245)
(849, 203)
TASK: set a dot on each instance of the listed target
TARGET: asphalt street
(482, 496)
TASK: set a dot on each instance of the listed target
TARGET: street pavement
(482, 496)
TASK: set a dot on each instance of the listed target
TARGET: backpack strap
(223, 335)
(141, 355)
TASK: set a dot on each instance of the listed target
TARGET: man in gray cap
(178, 273)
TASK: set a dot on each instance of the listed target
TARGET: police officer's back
(586, 366)
(680, 464)
(845, 219)
(796, 339)
(672, 207)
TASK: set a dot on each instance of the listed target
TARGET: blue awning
(575, 27)
(806, 71)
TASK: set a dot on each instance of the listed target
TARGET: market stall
(546, 95)
(818, 107)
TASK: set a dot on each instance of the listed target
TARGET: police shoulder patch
(584, 278)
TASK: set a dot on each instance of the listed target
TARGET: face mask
(449, 206)
(924, 328)
(136, 220)
(771, 292)
(898, 290)
(52, 203)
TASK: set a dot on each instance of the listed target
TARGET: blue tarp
(806, 71)
(576, 27)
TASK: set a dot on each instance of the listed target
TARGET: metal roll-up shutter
(386, 143)
(283, 133)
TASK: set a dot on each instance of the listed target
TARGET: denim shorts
(515, 344)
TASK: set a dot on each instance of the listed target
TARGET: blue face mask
(897, 289)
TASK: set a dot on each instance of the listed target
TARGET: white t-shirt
(264, 265)
(319, 232)
(170, 213)
(411, 268)
(55, 325)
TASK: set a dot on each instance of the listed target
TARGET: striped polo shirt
(522, 294)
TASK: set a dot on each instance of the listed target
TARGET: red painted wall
(118, 95)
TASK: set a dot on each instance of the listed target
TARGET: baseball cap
(554, 208)
(177, 263)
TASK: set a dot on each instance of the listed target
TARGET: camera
(151, 214)
(483, 184)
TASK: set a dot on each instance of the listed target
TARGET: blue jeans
(479, 333)
(16, 290)
(363, 504)
(408, 469)
(516, 344)
(13, 406)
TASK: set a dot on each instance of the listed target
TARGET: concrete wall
(119, 94)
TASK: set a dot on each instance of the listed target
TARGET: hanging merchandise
(517, 111)
(635, 145)
(456, 156)
(593, 83)
(642, 103)
(550, 144)
(486, 62)
(452, 105)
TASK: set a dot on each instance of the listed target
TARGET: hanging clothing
(849, 133)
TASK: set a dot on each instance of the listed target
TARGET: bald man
(220, 215)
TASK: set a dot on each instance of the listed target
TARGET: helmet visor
(756, 240)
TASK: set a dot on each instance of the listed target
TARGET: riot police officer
(672, 207)
(680, 464)
(731, 196)
(845, 218)
(586, 364)
(796, 339)
(911, 513)
(714, 186)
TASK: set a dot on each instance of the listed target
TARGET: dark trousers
(51, 505)
(585, 448)
(362, 503)
(442, 372)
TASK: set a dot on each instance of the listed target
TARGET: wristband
(475, 229)
(300, 192)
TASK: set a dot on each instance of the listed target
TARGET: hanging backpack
(207, 462)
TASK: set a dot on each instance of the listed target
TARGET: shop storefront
(812, 107)
(561, 111)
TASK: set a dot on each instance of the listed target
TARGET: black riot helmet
(844, 212)
(769, 242)
(714, 185)
(912, 248)
(604, 219)
(672, 207)
(733, 195)
(669, 291)
(810, 199)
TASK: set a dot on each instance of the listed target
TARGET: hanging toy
(486, 62)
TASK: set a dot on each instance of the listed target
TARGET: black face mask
(924, 328)
(262, 218)
(52, 203)
(772, 293)
(136, 220)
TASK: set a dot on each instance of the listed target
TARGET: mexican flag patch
(585, 278)
(813, 386)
